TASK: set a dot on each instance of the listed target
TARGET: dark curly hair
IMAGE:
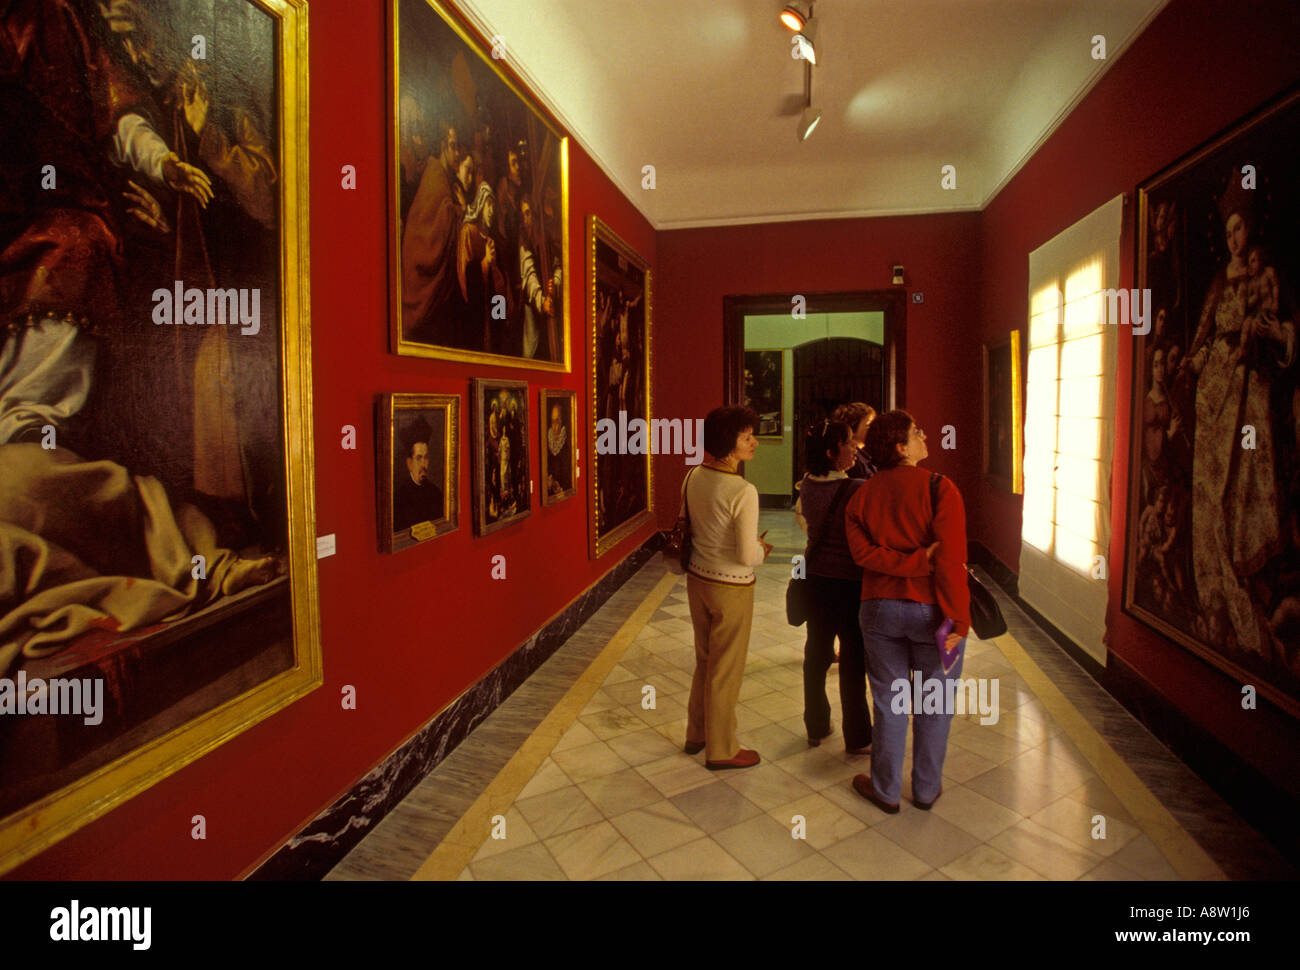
(723, 426)
(852, 414)
(884, 436)
(827, 436)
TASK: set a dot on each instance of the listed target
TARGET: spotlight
(796, 14)
(808, 121)
(898, 276)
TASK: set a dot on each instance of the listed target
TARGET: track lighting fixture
(796, 14)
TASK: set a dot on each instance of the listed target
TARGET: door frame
(893, 303)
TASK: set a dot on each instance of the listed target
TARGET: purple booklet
(946, 656)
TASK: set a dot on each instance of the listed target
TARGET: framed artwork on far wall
(478, 207)
(158, 558)
(764, 386)
(559, 466)
(1004, 414)
(619, 302)
(499, 442)
(418, 468)
(1212, 559)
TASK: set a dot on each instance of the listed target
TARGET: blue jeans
(899, 638)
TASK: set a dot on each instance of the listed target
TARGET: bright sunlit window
(1069, 421)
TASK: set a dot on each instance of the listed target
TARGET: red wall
(410, 630)
(1198, 68)
(698, 267)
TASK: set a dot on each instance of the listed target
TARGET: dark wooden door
(828, 373)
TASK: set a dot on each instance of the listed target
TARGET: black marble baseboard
(1258, 800)
(320, 846)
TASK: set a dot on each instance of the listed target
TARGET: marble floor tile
(715, 806)
(589, 761)
(514, 834)
(1044, 851)
(676, 773)
(986, 864)
(558, 811)
(972, 812)
(824, 822)
(592, 851)
(1142, 858)
(869, 856)
(532, 863)
(640, 872)
(927, 836)
(656, 828)
(814, 868)
(766, 785)
(620, 792)
(703, 859)
(642, 746)
(1078, 823)
(763, 845)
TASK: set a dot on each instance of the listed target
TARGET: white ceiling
(702, 90)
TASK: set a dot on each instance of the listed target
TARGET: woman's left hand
(950, 643)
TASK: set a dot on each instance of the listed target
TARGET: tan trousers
(722, 616)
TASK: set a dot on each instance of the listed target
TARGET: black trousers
(833, 612)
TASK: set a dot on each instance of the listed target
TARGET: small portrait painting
(502, 486)
(559, 464)
(418, 437)
(763, 389)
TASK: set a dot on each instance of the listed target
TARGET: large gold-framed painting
(478, 203)
(619, 285)
(157, 564)
(1213, 551)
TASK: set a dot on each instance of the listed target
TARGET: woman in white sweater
(725, 548)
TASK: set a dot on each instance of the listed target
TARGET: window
(1069, 427)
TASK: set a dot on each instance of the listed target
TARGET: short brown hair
(821, 438)
(723, 426)
(852, 414)
(884, 436)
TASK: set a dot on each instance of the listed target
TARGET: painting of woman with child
(1214, 534)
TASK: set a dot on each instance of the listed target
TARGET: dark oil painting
(1214, 534)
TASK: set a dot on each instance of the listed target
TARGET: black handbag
(677, 550)
(985, 615)
(796, 594)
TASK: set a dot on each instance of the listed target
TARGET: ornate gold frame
(398, 343)
(386, 413)
(478, 435)
(780, 435)
(35, 827)
(598, 544)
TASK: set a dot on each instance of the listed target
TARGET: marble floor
(577, 776)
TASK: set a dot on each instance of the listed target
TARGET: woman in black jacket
(834, 589)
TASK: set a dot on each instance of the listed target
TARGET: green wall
(772, 467)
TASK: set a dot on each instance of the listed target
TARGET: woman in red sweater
(912, 556)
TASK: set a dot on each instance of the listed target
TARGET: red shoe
(862, 785)
(744, 759)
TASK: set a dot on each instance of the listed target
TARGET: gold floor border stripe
(1186, 856)
(462, 843)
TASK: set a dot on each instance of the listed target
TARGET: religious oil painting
(418, 439)
(158, 571)
(559, 464)
(619, 283)
(1004, 416)
(1213, 552)
(763, 390)
(478, 202)
(502, 486)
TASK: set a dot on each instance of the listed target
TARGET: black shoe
(693, 747)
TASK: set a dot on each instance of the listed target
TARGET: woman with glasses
(834, 585)
(912, 552)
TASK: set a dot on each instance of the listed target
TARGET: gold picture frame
(443, 70)
(45, 820)
(396, 415)
(559, 478)
(1004, 414)
(620, 485)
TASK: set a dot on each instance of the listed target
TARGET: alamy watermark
(659, 436)
(952, 696)
(84, 696)
(211, 307)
